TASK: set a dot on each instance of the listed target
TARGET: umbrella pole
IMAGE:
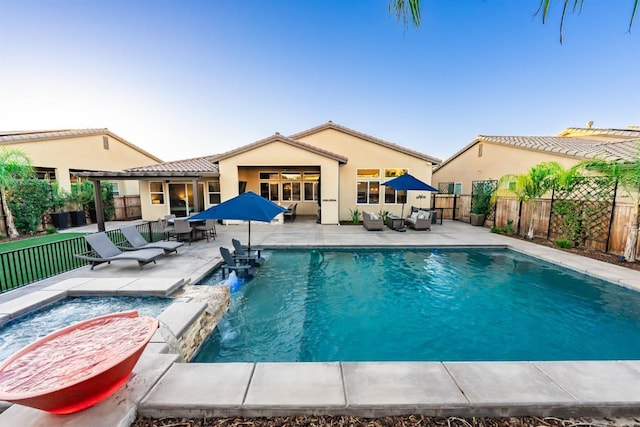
(249, 244)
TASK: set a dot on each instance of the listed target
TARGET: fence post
(151, 236)
(519, 217)
(455, 199)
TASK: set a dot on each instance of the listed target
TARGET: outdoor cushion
(373, 216)
(414, 215)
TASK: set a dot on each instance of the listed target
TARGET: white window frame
(161, 193)
(213, 193)
(368, 182)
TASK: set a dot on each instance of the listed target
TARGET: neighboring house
(329, 166)
(491, 157)
(57, 154)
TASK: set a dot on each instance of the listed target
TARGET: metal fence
(27, 265)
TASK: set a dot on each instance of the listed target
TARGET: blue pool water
(423, 305)
(24, 330)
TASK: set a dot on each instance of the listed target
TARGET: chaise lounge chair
(231, 264)
(107, 251)
(241, 254)
(137, 241)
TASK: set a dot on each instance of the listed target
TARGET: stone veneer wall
(217, 299)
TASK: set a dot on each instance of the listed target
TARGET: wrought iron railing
(27, 265)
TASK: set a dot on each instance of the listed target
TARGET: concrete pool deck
(163, 387)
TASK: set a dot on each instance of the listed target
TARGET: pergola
(96, 177)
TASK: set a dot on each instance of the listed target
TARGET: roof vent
(589, 124)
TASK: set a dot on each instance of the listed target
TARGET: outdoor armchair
(419, 220)
(372, 221)
(239, 253)
(208, 229)
(184, 230)
(104, 250)
(233, 264)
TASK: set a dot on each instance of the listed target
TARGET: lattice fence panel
(484, 189)
(583, 213)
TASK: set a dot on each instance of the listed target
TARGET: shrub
(384, 215)
(355, 215)
(51, 230)
(509, 228)
(563, 243)
(29, 199)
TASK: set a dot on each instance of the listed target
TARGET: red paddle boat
(77, 366)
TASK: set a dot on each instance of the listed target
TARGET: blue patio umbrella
(408, 182)
(246, 207)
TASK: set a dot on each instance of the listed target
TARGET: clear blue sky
(190, 78)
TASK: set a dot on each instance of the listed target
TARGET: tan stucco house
(57, 154)
(327, 171)
(491, 157)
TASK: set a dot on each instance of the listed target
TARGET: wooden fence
(127, 208)
(510, 209)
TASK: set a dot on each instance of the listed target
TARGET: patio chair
(167, 229)
(106, 251)
(231, 264)
(183, 230)
(137, 241)
(290, 213)
(239, 253)
(372, 223)
(208, 229)
(419, 220)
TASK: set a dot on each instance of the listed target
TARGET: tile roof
(583, 148)
(195, 165)
(17, 137)
(281, 138)
(340, 128)
(584, 143)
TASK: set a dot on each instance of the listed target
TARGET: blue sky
(183, 79)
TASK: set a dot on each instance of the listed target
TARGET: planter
(78, 218)
(476, 219)
(60, 220)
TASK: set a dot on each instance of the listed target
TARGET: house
(489, 158)
(57, 154)
(328, 171)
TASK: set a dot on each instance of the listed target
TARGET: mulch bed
(399, 421)
(586, 252)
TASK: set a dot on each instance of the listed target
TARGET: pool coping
(571, 388)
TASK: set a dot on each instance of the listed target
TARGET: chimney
(589, 124)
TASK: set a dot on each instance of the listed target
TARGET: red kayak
(77, 366)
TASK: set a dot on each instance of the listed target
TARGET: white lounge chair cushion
(422, 214)
(414, 215)
(373, 216)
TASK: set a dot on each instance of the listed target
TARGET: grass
(12, 245)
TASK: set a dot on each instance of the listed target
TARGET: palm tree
(403, 8)
(14, 164)
(628, 176)
(532, 185)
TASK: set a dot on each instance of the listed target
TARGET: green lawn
(35, 241)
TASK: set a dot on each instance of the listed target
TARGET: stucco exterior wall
(246, 166)
(495, 162)
(368, 155)
(85, 153)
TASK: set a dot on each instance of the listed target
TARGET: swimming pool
(21, 331)
(423, 305)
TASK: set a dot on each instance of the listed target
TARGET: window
(115, 188)
(480, 150)
(311, 180)
(450, 187)
(291, 186)
(156, 191)
(45, 173)
(392, 196)
(213, 187)
(105, 142)
(269, 190)
(368, 186)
